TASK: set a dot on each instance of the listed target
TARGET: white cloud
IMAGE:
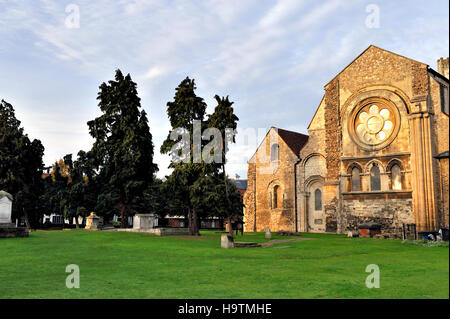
(271, 57)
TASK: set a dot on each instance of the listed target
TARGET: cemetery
(140, 265)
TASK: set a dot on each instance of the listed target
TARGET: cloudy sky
(272, 58)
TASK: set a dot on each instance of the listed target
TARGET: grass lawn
(128, 265)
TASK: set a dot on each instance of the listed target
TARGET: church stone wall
(268, 175)
(440, 132)
(391, 213)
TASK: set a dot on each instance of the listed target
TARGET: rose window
(374, 124)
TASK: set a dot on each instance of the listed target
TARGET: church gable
(376, 66)
(288, 143)
(318, 120)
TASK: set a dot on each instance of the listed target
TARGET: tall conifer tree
(21, 167)
(123, 148)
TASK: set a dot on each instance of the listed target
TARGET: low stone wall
(13, 231)
(163, 231)
(391, 214)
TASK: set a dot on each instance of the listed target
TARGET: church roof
(5, 194)
(294, 140)
(442, 155)
(240, 183)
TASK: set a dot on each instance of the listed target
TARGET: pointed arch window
(356, 179)
(396, 177)
(274, 152)
(318, 199)
(375, 180)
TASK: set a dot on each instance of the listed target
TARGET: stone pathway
(279, 241)
(267, 244)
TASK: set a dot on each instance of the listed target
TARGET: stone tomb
(92, 222)
(147, 223)
(144, 221)
(7, 228)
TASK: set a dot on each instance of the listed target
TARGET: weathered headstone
(7, 228)
(226, 241)
(92, 222)
(5, 207)
(144, 221)
(268, 233)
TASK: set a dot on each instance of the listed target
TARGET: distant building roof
(442, 155)
(5, 194)
(240, 183)
(294, 140)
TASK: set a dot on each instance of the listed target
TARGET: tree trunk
(195, 222)
(27, 220)
(77, 224)
(190, 223)
(227, 194)
(123, 222)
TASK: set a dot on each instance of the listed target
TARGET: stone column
(422, 166)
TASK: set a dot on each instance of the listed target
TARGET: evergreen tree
(123, 149)
(185, 108)
(225, 121)
(21, 167)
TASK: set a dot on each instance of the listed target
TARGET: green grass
(128, 265)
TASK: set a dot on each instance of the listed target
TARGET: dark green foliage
(208, 194)
(122, 154)
(224, 118)
(21, 167)
(71, 194)
(182, 112)
(196, 188)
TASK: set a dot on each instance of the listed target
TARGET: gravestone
(268, 233)
(144, 221)
(226, 241)
(92, 222)
(5, 207)
(7, 228)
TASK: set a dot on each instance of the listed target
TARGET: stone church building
(376, 151)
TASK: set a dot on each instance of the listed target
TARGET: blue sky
(272, 58)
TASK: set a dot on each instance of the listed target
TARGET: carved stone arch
(377, 162)
(396, 175)
(354, 182)
(315, 219)
(353, 165)
(371, 90)
(314, 164)
(375, 170)
(307, 157)
(394, 161)
(276, 195)
(313, 179)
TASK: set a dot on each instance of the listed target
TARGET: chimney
(442, 67)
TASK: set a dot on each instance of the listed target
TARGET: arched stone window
(274, 152)
(356, 179)
(375, 180)
(396, 177)
(276, 189)
(318, 199)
